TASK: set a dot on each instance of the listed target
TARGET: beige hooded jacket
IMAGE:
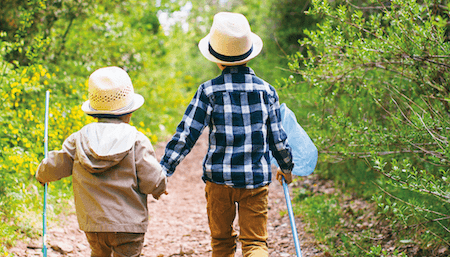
(114, 168)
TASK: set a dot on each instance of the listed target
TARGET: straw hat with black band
(230, 41)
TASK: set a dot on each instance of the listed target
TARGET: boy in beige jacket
(113, 167)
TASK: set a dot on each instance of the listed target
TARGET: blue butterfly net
(303, 149)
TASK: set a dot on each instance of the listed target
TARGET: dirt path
(178, 221)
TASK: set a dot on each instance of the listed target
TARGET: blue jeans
(253, 214)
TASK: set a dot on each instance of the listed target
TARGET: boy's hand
(287, 177)
(157, 196)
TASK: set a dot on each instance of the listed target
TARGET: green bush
(373, 86)
(54, 45)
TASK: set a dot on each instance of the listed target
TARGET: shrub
(374, 86)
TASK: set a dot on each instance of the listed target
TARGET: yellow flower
(36, 77)
(15, 90)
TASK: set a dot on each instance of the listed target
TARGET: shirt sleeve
(58, 164)
(278, 142)
(194, 120)
(151, 178)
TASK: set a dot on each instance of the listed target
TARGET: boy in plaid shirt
(243, 116)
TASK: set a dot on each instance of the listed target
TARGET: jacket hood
(103, 145)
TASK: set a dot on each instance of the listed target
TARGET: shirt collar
(238, 69)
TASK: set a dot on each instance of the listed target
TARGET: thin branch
(305, 6)
(64, 37)
(433, 111)
(432, 163)
(419, 189)
(427, 59)
(445, 241)
(438, 221)
(368, 154)
(276, 41)
(403, 95)
(430, 132)
(433, 153)
(388, 112)
(366, 8)
(442, 139)
(403, 114)
(410, 204)
(429, 221)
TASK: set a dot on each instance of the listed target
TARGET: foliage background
(368, 81)
(375, 76)
(55, 45)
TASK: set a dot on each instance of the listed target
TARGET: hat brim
(203, 45)
(138, 101)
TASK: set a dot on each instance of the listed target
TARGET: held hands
(158, 195)
(160, 189)
(287, 177)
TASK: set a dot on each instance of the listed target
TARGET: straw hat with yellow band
(230, 41)
(111, 93)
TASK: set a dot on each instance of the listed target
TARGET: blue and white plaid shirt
(243, 115)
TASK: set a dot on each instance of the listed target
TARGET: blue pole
(44, 215)
(292, 219)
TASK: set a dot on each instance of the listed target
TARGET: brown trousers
(103, 244)
(253, 214)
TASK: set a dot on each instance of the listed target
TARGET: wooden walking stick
(44, 214)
